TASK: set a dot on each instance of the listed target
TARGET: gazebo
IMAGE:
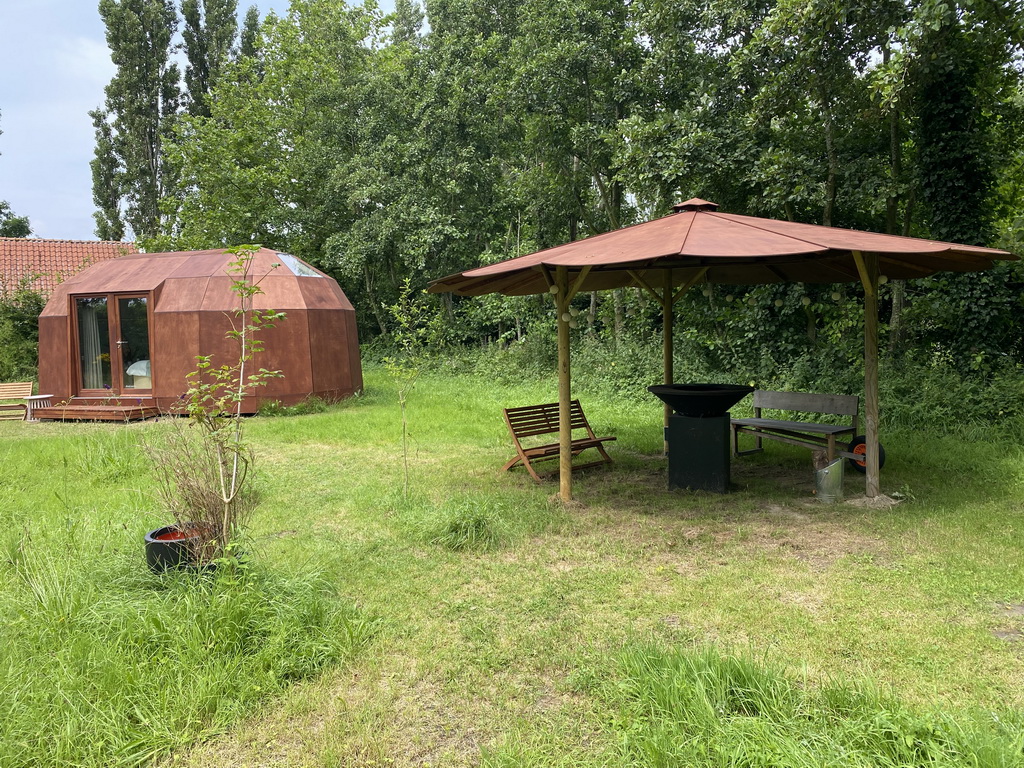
(697, 244)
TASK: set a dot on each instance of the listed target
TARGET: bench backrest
(530, 420)
(807, 402)
(16, 391)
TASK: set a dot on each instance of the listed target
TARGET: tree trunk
(371, 295)
(619, 314)
(897, 328)
(812, 325)
(833, 171)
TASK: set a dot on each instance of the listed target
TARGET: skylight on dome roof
(298, 268)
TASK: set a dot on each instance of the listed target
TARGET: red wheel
(859, 446)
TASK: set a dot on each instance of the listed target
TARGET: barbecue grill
(698, 433)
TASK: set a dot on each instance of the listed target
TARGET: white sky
(54, 64)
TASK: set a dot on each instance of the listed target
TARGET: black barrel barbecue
(698, 433)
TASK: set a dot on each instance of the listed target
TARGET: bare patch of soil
(813, 603)
(1009, 635)
(1011, 609)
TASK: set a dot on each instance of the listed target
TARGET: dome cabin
(118, 339)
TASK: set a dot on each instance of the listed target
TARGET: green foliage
(972, 320)
(390, 152)
(955, 169)
(12, 225)
(19, 334)
(924, 391)
(249, 36)
(311, 404)
(208, 35)
(699, 707)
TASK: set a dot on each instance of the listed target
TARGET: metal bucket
(829, 482)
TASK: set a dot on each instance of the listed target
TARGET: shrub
(19, 334)
(311, 404)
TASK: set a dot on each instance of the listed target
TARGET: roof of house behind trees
(41, 265)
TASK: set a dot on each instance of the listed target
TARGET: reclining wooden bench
(17, 391)
(804, 433)
(532, 420)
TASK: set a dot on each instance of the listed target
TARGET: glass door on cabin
(113, 345)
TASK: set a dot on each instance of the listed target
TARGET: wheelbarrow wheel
(859, 445)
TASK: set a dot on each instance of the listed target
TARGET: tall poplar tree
(129, 177)
(249, 37)
(209, 35)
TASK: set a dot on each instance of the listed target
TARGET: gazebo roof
(733, 249)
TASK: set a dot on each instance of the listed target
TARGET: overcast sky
(54, 64)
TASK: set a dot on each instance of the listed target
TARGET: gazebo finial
(695, 204)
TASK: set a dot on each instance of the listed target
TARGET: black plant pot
(175, 547)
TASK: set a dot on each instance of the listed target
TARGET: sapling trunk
(204, 479)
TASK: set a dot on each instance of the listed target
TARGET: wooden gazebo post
(867, 266)
(667, 344)
(563, 295)
(564, 385)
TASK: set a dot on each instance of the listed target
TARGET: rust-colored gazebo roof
(737, 250)
(697, 244)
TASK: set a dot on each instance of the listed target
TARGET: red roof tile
(43, 264)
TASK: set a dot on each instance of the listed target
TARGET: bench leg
(736, 443)
(831, 449)
(525, 462)
(511, 463)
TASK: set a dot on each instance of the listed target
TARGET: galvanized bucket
(829, 482)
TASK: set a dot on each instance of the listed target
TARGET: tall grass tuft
(467, 523)
(112, 666)
(114, 457)
(702, 708)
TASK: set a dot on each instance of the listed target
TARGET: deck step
(96, 412)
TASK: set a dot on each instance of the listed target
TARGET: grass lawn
(482, 622)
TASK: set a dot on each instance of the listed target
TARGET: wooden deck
(89, 412)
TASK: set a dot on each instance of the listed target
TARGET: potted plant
(204, 467)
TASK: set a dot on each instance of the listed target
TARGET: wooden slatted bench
(16, 391)
(835, 439)
(534, 420)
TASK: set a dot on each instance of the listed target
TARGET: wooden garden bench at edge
(16, 391)
(807, 434)
(533, 420)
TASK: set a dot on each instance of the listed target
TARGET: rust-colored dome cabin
(118, 339)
